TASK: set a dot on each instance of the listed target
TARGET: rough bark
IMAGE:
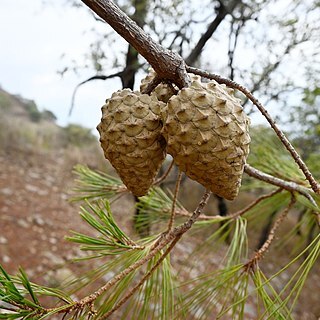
(167, 64)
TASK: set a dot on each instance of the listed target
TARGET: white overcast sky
(32, 39)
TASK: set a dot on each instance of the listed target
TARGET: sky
(34, 35)
(33, 38)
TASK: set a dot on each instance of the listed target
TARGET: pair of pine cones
(203, 127)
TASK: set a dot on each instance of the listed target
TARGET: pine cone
(206, 131)
(130, 137)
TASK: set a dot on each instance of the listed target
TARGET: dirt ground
(35, 216)
(35, 213)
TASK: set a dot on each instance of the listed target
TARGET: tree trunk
(132, 62)
(223, 11)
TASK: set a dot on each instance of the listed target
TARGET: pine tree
(147, 280)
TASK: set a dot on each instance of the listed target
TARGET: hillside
(36, 161)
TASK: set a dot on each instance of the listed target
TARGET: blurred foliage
(5, 102)
(304, 124)
(23, 126)
(268, 154)
(48, 115)
(78, 135)
(32, 109)
(18, 106)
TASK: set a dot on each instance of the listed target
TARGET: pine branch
(167, 64)
(143, 279)
(155, 248)
(290, 186)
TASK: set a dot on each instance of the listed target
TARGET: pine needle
(155, 299)
(269, 155)
(95, 185)
(209, 292)
(269, 297)
(111, 241)
(238, 249)
(156, 207)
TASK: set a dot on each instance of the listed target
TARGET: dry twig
(264, 248)
(165, 175)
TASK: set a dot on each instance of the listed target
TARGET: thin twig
(264, 248)
(97, 77)
(290, 186)
(174, 202)
(203, 217)
(253, 203)
(165, 175)
(143, 279)
(217, 217)
(303, 167)
(188, 224)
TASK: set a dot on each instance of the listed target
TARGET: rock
(6, 259)
(37, 190)
(3, 240)
(23, 223)
(7, 192)
(53, 259)
(37, 219)
(63, 274)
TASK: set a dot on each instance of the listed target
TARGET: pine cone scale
(207, 134)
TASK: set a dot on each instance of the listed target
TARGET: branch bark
(167, 64)
(287, 185)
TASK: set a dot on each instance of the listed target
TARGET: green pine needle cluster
(19, 298)
(95, 185)
(111, 240)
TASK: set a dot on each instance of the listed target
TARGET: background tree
(221, 290)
